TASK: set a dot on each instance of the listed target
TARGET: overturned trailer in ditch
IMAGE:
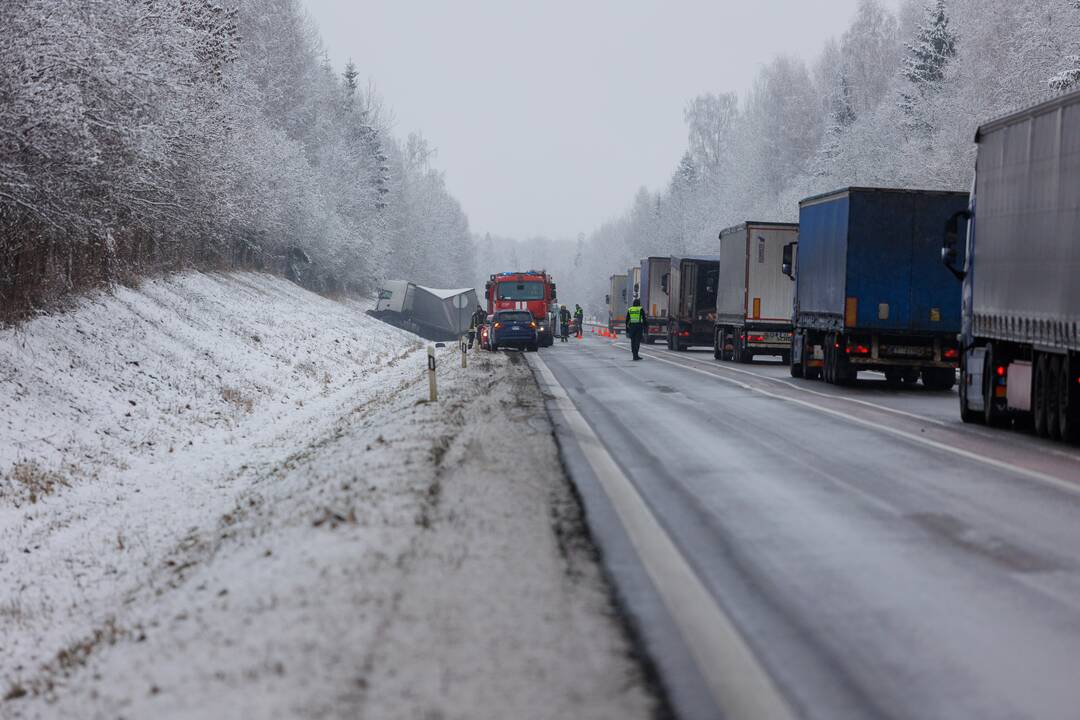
(432, 313)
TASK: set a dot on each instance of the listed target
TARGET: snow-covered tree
(1069, 76)
(137, 136)
(928, 55)
(931, 50)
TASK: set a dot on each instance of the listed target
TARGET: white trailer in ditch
(433, 313)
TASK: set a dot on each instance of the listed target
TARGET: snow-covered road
(223, 496)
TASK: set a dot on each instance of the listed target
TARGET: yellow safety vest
(635, 315)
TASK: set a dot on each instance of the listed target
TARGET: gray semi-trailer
(754, 297)
(1019, 269)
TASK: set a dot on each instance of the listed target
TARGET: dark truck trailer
(432, 313)
(1020, 268)
(870, 291)
(691, 289)
(654, 297)
(754, 298)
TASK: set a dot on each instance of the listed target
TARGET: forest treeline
(893, 101)
(145, 135)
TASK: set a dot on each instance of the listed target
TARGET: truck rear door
(935, 303)
(879, 261)
(689, 290)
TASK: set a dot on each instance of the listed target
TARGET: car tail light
(684, 333)
(951, 353)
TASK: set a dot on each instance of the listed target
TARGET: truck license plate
(516, 327)
(907, 351)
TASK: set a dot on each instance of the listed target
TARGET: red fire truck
(533, 291)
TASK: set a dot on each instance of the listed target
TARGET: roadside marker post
(464, 352)
(433, 393)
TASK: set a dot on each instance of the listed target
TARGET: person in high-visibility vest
(635, 326)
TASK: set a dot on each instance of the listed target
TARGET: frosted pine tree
(935, 44)
(1069, 78)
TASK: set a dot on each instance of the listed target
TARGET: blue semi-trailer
(871, 292)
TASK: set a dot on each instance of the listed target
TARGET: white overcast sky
(548, 115)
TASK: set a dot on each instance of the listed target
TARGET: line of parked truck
(866, 281)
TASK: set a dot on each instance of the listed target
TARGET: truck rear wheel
(1039, 401)
(796, 367)
(966, 413)
(1053, 392)
(740, 353)
(717, 344)
(939, 379)
(837, 371)
(1068, 402)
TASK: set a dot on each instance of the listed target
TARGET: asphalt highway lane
(878, 557)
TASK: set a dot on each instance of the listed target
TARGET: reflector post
(851, 311)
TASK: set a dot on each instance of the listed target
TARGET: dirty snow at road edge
(224, 496)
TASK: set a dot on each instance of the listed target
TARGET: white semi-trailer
(1020, 269)
(434, 313)
(654, 296)
(754, 297)
(616, 303)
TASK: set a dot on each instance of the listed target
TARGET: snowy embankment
(223, 496)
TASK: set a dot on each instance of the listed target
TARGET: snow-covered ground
(223, 496)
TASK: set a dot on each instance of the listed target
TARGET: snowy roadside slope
(341, 551)
(143, 409)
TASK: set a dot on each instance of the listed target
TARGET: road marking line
(793, 386)
(884, 408)
(1050, 480)
(739, 684)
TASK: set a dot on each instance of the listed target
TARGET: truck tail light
(756, 338)
(532, 325)
(858, 349)
(684, 333)
(1001, 371)
(951, 353)
(498, 325)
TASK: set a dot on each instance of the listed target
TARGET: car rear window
(515, 317)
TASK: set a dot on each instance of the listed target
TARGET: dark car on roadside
(513, 328)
